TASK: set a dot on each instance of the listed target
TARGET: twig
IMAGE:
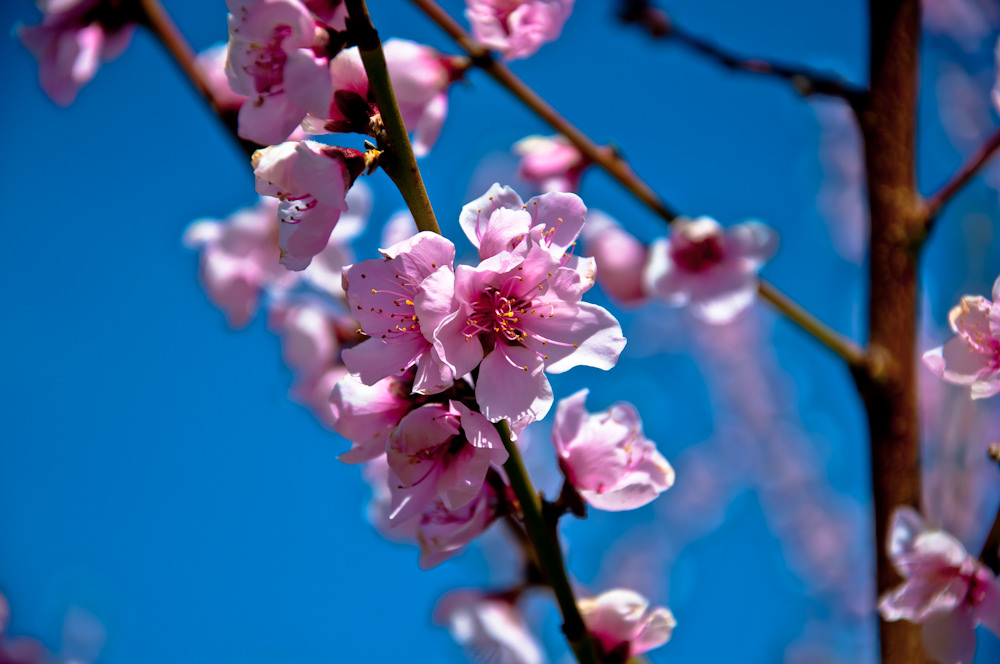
(158, 21)
(965, 173)
(398, 160)
(805, 80)
(990, 554)
(614, 165)
(547, 552)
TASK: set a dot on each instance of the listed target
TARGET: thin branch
(398, 160)
(545, 543)
(614, 165)
(158, 21)
(965, 173)
(990, 555)
(806, 80)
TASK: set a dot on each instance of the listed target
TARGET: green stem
(547, 552)
(398, 160)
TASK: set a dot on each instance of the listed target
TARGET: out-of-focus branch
(805, 80)
(612, 163)
(398, 160)
(888, 124)
(966, 172)
(158, 21)
(990, 554)
(545, 543)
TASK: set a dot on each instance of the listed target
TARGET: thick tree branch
(966, 172)
(614, 165)
(888, 122)
(158, 21)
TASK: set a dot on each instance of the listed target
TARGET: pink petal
(562, 214)
(950, 637)
(506, 390)
(584, 335)
(475, 216)
(659, 627)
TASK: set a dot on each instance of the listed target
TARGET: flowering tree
(448, 359)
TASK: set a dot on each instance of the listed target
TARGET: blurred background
(155, 474)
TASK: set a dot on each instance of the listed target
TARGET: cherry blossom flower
(713, 270)
(489, 628)
(623, 625)
(973, 356)
(605, 456)
(441, 451)
(945, 589)
(551, 162)
(517, 28)
(621, 258)
(420, 78)
(367, 414)
(72, 40)
(273, 62)
(311, 180)
(384, 295)
(212, 63)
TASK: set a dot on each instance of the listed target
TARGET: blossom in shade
(20, 650)
(621, 258)
(387, 295)
(420, 78)
(551, 162)
(973, 356)
(517, 28)
(311, 181)
(489, 628)
(441, 451)
(273, 62)
(72, 40)
(945, 589)
(622, 624)
(605, 456)
(711, 269)
(367, 414)
(212, 63)
(239, 259)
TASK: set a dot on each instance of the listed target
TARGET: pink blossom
(623, 625)
(605, 456)
(441, 451)
(973, 356)
(367, 414)
(945, 589)
(420, 78)
(239, 258)
(621, 258)
(713, 270)
(517, 28)
(272, 61)
(332, 13)
(489, 628)
(311, 180)
(551, 162)
(384, 295)
(212, 63)
(74, 37)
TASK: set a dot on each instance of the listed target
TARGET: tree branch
(616, 167)
(397, 160)
(966, 172)
(158, 21)
(990, 554)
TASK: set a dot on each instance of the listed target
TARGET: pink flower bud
(623, 625)
(551, 162)
(517, 28)
(489, 626)
(621, 258)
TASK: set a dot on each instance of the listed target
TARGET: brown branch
(966, 172)
(888, 122)
(612, 163)
(806, 80)
(158, 21)
(990, 554)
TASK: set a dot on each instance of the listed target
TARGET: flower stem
(612, 163)
(545, 543)
(398, 160)
(158, 21)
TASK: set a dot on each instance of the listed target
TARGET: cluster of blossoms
(711, 269)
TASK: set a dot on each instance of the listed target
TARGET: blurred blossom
(367, 414)
(967, 22)
(714, 270)
(550, 162)
(605, 456)
(490, 629)
(399, 227)
(212, 63)
(72, 40)
(841, 199)
(945, 588)
(624, 626)
(83, 637)
(517, 28)
(963, 105)
(621, 258)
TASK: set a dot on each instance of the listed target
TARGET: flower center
(497, 316)
(696, 255)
